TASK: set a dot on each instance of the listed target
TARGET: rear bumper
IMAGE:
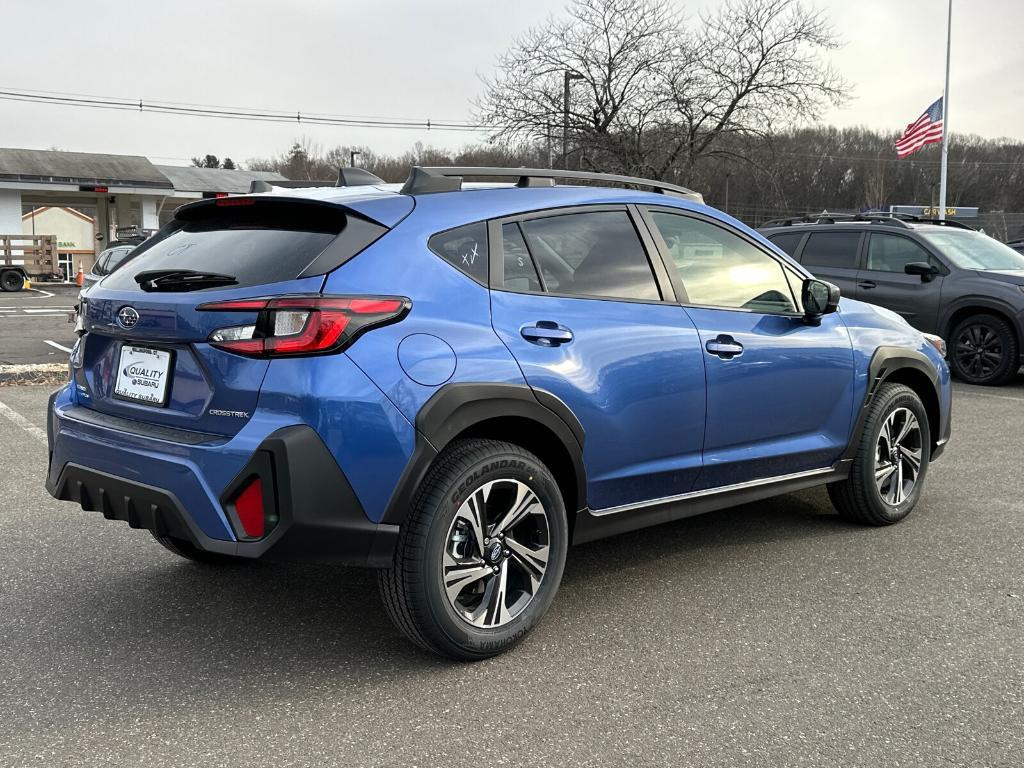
(319, 516)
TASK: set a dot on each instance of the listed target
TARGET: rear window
(831, 249)
(254, 244)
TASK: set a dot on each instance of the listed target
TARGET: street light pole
(569, 76)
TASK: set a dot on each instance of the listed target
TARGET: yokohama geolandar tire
(888, 472)
(984, 351)
(189, 551)
(481, 554)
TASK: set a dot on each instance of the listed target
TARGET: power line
(233, 113)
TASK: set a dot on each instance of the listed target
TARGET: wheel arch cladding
(894, 365)
(538, 422)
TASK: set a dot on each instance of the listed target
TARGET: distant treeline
(754, 178)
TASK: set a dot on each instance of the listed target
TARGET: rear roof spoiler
(347, 177)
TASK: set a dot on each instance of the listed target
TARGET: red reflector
(249, 507)
(230, 202)
(372, 306)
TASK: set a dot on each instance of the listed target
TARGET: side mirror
(819, 298)
(923, 268)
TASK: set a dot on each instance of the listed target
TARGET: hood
(1012, 276)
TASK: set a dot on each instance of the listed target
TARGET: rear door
(579, 304)
(834, 255)
(145, 354)
(883, 281)
(780, 390)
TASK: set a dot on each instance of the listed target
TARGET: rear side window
(831, 249)
(591, 254)
(116, 258)
(465, 248)
(253, 244)
(788, 241)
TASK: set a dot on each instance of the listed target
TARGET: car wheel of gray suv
(481, 554)
(889, 468)
(984, 350)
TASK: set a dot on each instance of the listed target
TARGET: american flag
(927, 129)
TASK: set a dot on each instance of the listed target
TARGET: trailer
(24, 258)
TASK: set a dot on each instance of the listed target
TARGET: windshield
(973, 250)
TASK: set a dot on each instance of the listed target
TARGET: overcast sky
(419, 59)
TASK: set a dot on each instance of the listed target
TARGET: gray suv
(942, 277)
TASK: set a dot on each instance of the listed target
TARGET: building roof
(187, 179)
(57, 167)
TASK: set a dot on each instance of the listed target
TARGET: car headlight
(936, 341)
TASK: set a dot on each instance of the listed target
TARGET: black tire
(190, 551)
(413, 589)
(984, 350)
(11, 280)
(858, 498)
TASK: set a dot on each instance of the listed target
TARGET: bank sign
(932, 212)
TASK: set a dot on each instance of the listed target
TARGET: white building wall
(10, 212)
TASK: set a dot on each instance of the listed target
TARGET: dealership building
(82, 199)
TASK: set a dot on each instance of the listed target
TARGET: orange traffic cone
(80, 277)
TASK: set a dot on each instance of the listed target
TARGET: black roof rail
(357, 177)
(876, 217)
(424, 180)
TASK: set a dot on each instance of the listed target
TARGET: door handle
(724, 346)
(546, 333)
(867, 284)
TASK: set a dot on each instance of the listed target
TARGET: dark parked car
(110, 259)
(942, 277)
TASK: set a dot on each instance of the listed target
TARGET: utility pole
(569, 76)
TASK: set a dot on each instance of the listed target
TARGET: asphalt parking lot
(768, 635)
(34, 324)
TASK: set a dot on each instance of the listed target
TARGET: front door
(780, 391)
(884, 282)
(577, 303)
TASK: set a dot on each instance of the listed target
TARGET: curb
(37, 373)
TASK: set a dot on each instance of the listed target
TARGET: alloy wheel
(496, 553)
(978, 351)
(898, 456)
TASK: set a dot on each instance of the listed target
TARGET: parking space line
(46, 294)
(988, 394)
(61, 347)
(16, 418)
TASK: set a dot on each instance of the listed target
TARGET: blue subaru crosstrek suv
(452, 382)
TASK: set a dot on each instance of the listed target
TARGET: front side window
(520, 272)
(591, 254)
(831, 249)
(891, 253)
(721, 269)
(465, 248)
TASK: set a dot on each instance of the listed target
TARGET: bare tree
(653, 98)
(755, 67)
(615, 54)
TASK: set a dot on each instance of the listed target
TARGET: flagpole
(945, 118)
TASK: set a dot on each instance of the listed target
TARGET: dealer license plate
(143, 375)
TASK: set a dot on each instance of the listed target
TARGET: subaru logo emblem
(127, 317)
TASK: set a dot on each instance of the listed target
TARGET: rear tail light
(303, 325)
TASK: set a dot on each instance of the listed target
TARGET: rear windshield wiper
(182, 280)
